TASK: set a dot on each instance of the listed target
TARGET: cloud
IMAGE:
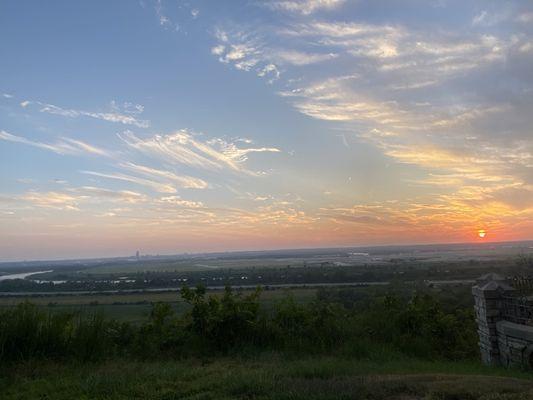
(333, 100)
(78, 145)
(63, 146)
(127, 107)
(229, 150)
(488, 19)
(185, 148)
(526, 47)
(109, 116)
(157, 186)
(444, 101)
(51, 109)
(329, 30)
(480, 18)
(248, 52)
(178, 201)
(422, 127)
(182, 181)
(415, 96)
(164, 20)
(125, 114)
(72, 198)
(519, 197)
(300, 58)
(269, 70)
(127, 196)
(304, 7)
(55, 200)
(525, 17)
(156, 179)
(398, 48)
(173, 15)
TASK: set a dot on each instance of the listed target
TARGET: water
(21, 276)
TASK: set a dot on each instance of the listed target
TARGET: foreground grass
(267, 377)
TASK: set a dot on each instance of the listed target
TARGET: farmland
(125, 289)
(364, 325)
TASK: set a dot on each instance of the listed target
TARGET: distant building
(138, 255)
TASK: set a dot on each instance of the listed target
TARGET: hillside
(266, 377)
(343, 343)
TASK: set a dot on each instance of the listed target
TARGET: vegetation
(149, 275)
(346, 343)
(270, 376)
(234, 323)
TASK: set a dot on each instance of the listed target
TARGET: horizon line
(486, 242)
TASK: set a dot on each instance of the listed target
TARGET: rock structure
(502, 341)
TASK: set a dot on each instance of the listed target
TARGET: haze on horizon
(197, 126)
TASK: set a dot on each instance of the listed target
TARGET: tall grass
(385, 328)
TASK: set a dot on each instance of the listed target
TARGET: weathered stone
(500, 341)
(488, 299)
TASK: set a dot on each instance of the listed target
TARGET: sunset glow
(170, 128)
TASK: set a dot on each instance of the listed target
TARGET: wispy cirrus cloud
(72, 198)
(63, 146)
(434, 110)
(182, 181)
(126, 114)
(105, 116)
(183, 147)
(155, 185)
(179, 202)
(55, 200)
(127, 196)
(250, 52)
(304, 7)
(413, 93)
(174, 15)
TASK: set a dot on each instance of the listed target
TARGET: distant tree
(525, 260)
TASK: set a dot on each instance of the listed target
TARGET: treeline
(236, 323)
(313, 273)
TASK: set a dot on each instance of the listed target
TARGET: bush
(27, 332)
(223, 323)
(416, 326)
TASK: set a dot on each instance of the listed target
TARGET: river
(21, 276)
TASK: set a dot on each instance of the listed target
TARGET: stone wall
(501, 342)
(515, 342)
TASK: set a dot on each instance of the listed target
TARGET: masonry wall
(501, 342)
(515, 342)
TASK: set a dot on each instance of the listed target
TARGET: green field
(354, 343)
(267, 377)
(191, 265)
(136, 307)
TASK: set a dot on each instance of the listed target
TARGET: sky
(170, 126)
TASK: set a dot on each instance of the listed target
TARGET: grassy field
(135, 307)
(267, 377)
(191, 265)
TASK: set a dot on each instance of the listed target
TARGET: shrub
(418, 326)
(222, 323)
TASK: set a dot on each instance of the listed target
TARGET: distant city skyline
(168, 127)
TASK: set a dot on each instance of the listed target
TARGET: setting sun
(481, 233)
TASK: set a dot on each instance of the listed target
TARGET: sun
(482, 233)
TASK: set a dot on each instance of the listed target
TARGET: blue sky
(171, 126)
